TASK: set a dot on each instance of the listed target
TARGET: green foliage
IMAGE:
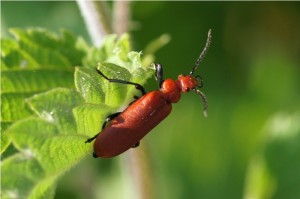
(36, 61)
(250, 74)
(272, 170)
(45, 117)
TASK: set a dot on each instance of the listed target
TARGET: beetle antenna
(204, 100)
(203, 53)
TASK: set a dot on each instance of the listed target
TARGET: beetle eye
(200, 81)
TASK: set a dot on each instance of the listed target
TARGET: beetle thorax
(170, 90)
(186, 83)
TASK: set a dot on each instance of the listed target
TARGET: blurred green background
(249, 146)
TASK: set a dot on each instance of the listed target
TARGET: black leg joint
(91, 139)
(136, 145)
(95, 155)
(159, 74)
(109, 118)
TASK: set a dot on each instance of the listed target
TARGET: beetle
(124, 130)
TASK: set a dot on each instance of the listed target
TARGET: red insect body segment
(128, 128)
(171, 91)
(186, 83)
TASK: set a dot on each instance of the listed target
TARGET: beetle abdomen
(132, 125)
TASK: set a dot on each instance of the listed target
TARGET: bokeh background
(249, 146)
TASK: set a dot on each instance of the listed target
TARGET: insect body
(124, 130)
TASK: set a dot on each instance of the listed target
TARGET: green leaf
(31, 81)
(116, 52)
(116, 94)
(36, 61)
(16, 86)
(48, 49)
(48, 125)
(43, 56)
(7, 45)
(98, 55)
(5, 139)
(97, 90)
(10, 106)
(12, 57)
(88, 84)
(44, 154)
(90, 117)
(48, 146)
(55, 106)
(27, 172)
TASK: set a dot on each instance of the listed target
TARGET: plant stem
(137, 160)
(138, 166)
(97, 19)
(121, 17)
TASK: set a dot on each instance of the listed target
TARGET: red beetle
(124, 130)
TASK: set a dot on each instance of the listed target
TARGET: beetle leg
(137, 86)
(109, 118)
(91, 139)
(136, 145)
(159, 74)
